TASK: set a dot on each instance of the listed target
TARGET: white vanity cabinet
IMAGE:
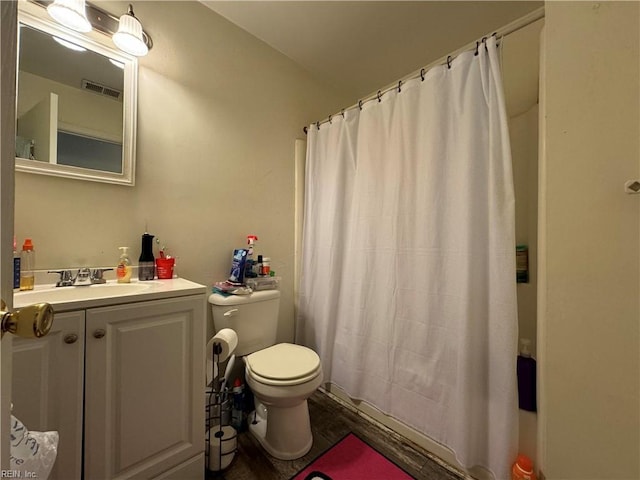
(144, 412)
(47, 388)
(127, 397)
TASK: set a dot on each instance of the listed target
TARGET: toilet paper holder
(221, 438)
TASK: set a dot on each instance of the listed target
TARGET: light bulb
(71, 14)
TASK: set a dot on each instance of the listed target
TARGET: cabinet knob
(99, 333)
(71, 338)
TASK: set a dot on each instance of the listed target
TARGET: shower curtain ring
(360, 104)
(400, 86)
(342, 113)
(477, 46)
(449, 62)
(318, 125)
(305, 130)
(422, 72)
(330, 117)
(379, 96)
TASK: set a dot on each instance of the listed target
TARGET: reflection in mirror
(75, 105)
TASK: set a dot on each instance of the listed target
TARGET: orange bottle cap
(27, 245)
(525, 463)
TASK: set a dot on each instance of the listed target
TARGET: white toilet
(281, 376)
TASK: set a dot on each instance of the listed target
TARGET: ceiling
(362, 46)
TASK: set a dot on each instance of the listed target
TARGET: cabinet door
(144, 397)
(47, 388)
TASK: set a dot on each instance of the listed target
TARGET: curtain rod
(509, 28)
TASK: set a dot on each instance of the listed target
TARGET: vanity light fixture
(79, 15)
(70, 13)
(69, 45)
(129, 37)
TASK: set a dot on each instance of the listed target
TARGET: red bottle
(522, 469)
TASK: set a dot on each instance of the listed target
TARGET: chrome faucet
(96, 275)
(66, 278)
(84, 276)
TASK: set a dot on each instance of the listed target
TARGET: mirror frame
(35, 16)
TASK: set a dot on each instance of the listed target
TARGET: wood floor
(330, 422)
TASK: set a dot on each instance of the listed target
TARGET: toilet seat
(283, 364)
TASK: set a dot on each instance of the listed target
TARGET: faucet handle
(83, 277)
(66, 278)
(96, 275)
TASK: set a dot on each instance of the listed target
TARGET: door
(8, 27)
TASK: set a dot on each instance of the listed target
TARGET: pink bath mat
(352, 459)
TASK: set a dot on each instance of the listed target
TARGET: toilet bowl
(281, 378)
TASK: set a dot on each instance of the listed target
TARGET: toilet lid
(284, 361)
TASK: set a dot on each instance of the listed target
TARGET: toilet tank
(253, 317)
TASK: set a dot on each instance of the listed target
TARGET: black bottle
(146, 264)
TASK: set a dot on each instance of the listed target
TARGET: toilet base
(286, 435)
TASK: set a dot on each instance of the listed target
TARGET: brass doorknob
(32, 321)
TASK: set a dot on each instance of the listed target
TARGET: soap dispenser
(123, 270)
(146, 265)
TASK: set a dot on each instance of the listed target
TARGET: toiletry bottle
(27, 264)
(16, 265)
(147, 265)
(123, 270)
(259, 266)
(522, 469)
(266, 266)
(522, 264)
(237, 409)
(250, 263)
(526, 371)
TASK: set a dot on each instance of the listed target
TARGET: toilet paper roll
(222, 447)
(228, 341)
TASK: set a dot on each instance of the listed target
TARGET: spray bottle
(249, 270)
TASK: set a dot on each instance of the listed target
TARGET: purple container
(526, 383)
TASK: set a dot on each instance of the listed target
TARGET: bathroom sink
(54, 295)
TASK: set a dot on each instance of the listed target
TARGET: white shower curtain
(407, 287)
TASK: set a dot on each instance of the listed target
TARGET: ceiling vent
(101, 89)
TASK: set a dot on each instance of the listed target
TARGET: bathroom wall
(523, 131)
(589, 242)
(218, 115)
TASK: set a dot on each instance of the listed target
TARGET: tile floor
(330, 421)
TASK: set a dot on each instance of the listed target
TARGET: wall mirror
(76, 103)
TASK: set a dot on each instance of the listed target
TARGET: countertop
(64, 299)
